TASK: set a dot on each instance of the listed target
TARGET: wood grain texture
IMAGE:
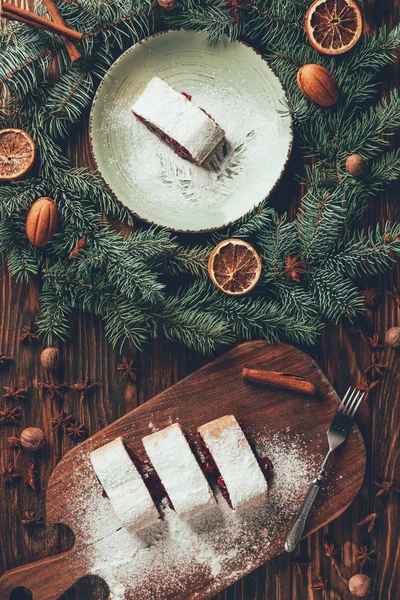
(215, 390)
(341, 355)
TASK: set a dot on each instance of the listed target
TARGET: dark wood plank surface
(216, 390)
(341, 355)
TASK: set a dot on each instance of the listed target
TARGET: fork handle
(296, 531)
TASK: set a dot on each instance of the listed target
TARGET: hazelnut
(32, 439)
(50, 359)
(167, 4)
(392, 337)
(355, 165)
(359, 585)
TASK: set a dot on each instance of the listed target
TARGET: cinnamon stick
(9, 11)
(11, 17)
(285, 381)
(55, 14)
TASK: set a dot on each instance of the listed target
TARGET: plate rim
(158, 225)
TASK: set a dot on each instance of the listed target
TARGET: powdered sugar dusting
(174, 461)
(175, 555)
(231, 83)
(177, 117)
(235, 460)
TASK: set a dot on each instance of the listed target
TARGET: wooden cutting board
(196, 562)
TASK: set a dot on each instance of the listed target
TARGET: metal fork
(337, 433)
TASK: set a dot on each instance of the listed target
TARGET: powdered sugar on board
(174, 555)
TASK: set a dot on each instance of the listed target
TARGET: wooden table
(341, 355)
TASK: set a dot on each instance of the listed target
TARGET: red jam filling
(211, 470)
(152, 481)
(267, 467)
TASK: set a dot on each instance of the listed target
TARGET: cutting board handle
(47, 579)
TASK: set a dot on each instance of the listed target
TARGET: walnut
(359, 585)
(392, 337)
(167, 4)
(32, 439)
(50, 359)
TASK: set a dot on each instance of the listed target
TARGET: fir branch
(66, 101)
(187, 260)
(197, 329)
(121, 279)
(262, 318)
(361, 254)
(321, 219)
(364, 135)
(336, 297)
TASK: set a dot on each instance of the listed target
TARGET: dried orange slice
(17, 153)
(333, 26)
(234, 267)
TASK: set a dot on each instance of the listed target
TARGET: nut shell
(50, 359)
(32, 439)
(167, 4)
(42, 222)
(359, 585)
(318, 85)
(355, 165)
(392, 337)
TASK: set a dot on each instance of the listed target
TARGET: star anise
(80, 244)
(14, 441)
(374, 341)
(376, 369)
(319, 584)
(370, 296)
(84, 387)
(128, 369)
(28, 334)
(9, 474)
(61, 421)
(5, 361)
(366, 386)
(76, 431)
(385, 487)
(300, 563)
(363, 555)
(236, 7)
(15, 393)
(369, 520)
(31, 518)
(330, 550)
(395, 294)
(32, 479)
(10, 415)
(294, 267)
(54, 390)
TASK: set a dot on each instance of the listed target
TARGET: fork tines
(350, 403)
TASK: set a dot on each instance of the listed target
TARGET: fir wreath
(150, 283)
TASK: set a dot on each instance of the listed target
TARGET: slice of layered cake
(188, 129)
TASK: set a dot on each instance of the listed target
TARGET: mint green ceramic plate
(232, 83)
